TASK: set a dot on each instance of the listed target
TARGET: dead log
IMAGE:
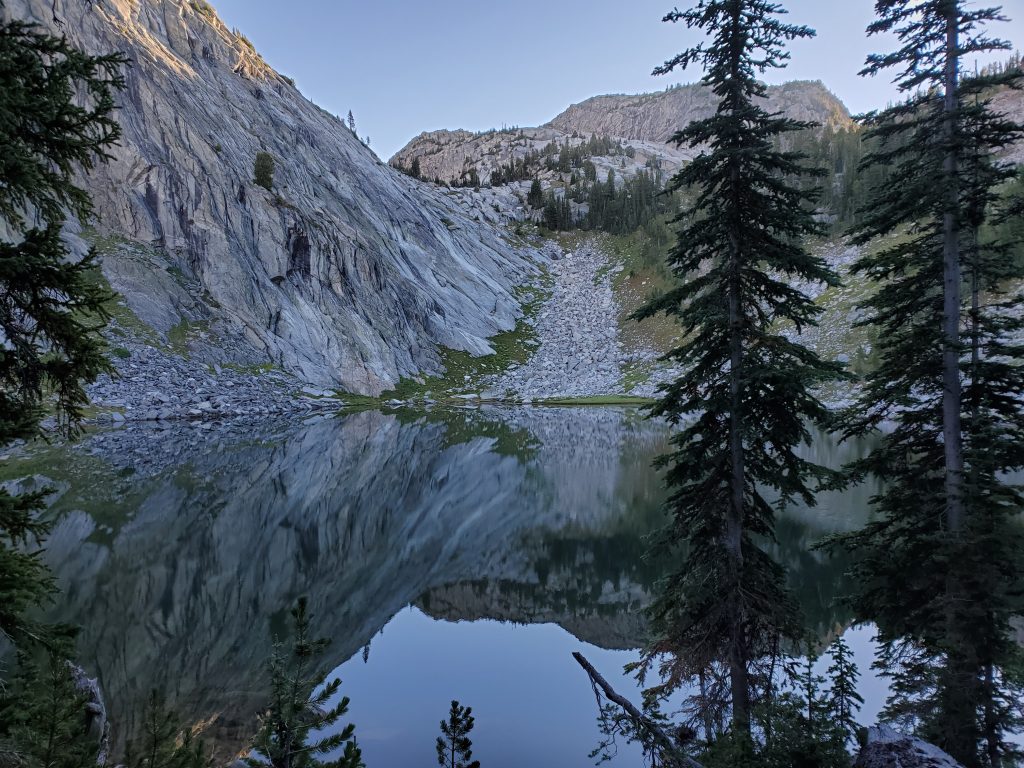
(669, 752)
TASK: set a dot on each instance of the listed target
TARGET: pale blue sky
(404, 67)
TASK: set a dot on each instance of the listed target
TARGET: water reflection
(527, 516)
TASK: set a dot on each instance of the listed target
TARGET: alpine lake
(458, 553)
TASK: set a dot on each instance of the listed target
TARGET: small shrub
(203, 8)
(218, 148)
(121, 352)
(244, 40)
(263, 170)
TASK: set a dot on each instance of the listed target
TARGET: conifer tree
(535, 197)
(163, 742)
(843, 698)
(940, 567)
(263, 170)
(746, 395)
(56, 119)
(454, 747)
(799, 726)
(291, 731)
(43, 720)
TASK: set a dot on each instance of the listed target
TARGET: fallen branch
(670, 754)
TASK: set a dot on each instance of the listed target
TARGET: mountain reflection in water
(528, 516)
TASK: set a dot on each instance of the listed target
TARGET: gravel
(153, 384)
(579, 354)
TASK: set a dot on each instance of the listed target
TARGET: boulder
(887, 748)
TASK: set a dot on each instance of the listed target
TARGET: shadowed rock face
(346, 273)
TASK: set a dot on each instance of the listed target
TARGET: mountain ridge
(642, 123)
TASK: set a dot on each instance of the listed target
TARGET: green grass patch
(125, 322)
(178, 274)
(203, 8)
(462, 370)
(354, 402)
(641, 277)
(634, 376)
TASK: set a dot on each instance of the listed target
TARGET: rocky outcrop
(346, 273)
(613, 620)
(642, 124)
(655, 117)
(152, 383)
(95, 715)
(1010, 104)
(887, 748)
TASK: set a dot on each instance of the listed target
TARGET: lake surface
(453, 554)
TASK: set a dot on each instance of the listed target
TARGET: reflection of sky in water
(532, 703)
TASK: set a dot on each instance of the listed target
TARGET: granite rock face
(655, 117)
(345, 273)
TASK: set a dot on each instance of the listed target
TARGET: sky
(404, 67)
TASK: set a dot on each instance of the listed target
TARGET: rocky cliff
(642, 123)
(345, 273)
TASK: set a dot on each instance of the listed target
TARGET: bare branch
(670, 754)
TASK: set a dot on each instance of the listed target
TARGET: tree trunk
(975, 339)
(738, 675)
(993, 746)
(951, 395)
(739, 681)
(709, 726)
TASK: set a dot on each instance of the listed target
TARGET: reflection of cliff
(363, 514)
(529, 516)
(597, 587)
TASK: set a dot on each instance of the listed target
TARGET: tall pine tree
(939, 569)
(56, 119)
(746, 398)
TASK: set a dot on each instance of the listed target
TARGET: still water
(454, 554)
